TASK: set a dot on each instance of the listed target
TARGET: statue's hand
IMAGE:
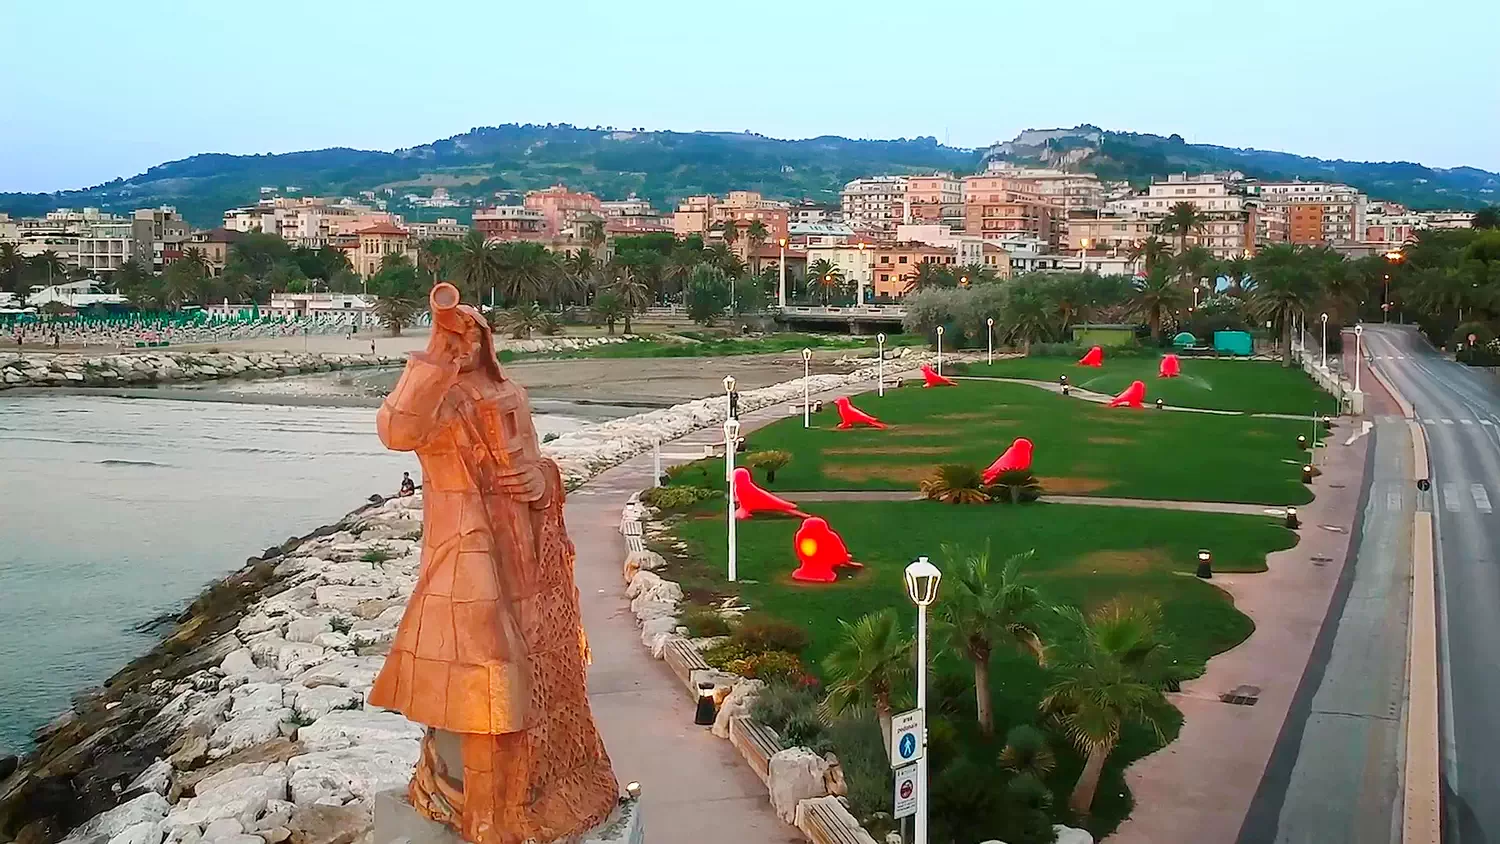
(527, 483)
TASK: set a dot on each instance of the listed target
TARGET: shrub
(780, 700)
(696, 474)
(767, 461)
(1028, 811)
(1014, 486)
(759, 633)
(677, 497)
(768, 665)
(955, 483)
(721, 655)
(867, 770)
(703, 622)
(549, 324)
(378, 554)
(806, 729)
(1026, 752)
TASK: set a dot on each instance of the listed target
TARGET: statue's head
(468, 333)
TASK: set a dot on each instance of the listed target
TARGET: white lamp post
(731, 441)
(806, 374)
(989, 329)
(729, 408)
(880, 364)
(940, 350)
(922, 579)
(781, 275)
(1359, 330)
(1325, 342)
(656, 462)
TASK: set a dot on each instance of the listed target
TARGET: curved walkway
(1096, 500)
(1101, 398)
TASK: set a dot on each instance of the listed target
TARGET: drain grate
(1334, 528)
(1321, 560)
(1241, 696)
(1335, 486)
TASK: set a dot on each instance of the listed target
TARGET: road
(1459, 410)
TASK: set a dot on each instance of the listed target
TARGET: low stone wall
(137, 368)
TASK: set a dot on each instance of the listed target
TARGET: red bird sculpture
(1133, 396)
(1171, 367)
(930, 378)
(820, 550)
(1018, 456)
(1094, 357)
(750, 499)
(849, 415)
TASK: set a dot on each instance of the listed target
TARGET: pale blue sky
(96, 89)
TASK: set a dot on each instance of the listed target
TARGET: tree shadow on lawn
(1180, 456)
(1085, 556)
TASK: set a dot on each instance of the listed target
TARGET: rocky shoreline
(246, 724)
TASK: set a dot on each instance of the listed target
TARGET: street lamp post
(781, 275)
(940, 350)
(656, 462)
(731, 442)
(1359, 331)
(880, 364)
(1325, 343)
(859, 277)
(730, 411)
(922, 579)
(989, 328)
(806, 374)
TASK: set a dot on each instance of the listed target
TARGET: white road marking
(1467, 421)
(1450, 497)
(1393, 500)
(1429, 421)
(1365, 427)
(1481, 498)
(1485, 422)
(1447, 421)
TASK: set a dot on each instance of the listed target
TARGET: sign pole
(880, 365)
(921, 833)
(940, 350)
(806, 374)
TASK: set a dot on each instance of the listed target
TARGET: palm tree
(1156, 297)
(985, 610)
(430, 257)
(626, 286)
(400, 296)
(1150, 252)
(579, 272)
(520, 321)
(869, 668)
(1183, 219)
(1194, 263)
(928, 275)
(1237, 269)
(755, 236)
(720, 255)
(608, 309)
(1098, 688)
(526, 271)
(827, 276)
(1068, 296)
(1025, 318)
(1284, 287)
(678, 269)
(195, 255)
(1487, 218)
(593, 233)
(49, 264)
(478, 266)
(12, 267)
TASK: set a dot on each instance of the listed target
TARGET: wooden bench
(684, 659)
(824, 820)
(757, 743)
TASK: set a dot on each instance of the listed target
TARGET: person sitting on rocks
(408, 486)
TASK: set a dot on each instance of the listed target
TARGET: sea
(114, 511)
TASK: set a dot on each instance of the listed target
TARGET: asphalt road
(1459, 410)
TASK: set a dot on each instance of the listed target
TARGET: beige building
(374, 243)
(997, 208)
(876, 204)
(104, 247)
(935, 199)
(1070, 191)
(444, 228)
(855, 260)
(1317, 212)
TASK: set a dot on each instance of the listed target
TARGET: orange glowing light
(808, 547)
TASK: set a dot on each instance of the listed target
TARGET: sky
(96, 89)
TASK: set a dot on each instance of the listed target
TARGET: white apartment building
(876, 204)
(1072, 191)
(445, 228)
(104, 247)
(819, 234)
(812, 212)
(1449, 219)
(1317, 212)
(1230, 228)
(969, 249)
(630, 206)
(857, 262)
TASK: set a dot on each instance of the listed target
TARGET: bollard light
(1160, 404)
(1205, 564)
(1301, 441)
(706, 712)
(1291, 518)
(633, 790)
(1307, 474)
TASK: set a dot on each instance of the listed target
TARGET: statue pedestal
(396, 822)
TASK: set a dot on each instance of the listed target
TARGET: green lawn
(1080, 447)
(1253, 386)
(705, 344)
(1085, 556)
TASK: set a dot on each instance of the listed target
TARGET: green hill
(663, 166)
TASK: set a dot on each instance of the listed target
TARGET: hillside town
(1008, 219)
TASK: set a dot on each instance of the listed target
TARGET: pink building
(559, 205)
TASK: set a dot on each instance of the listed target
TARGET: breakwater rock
(134, 368)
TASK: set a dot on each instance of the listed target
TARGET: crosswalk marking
(1481, 498)
(1450, 498)
(1429, 421)
(1467, 421)
(1447, 421)
(1485, 422)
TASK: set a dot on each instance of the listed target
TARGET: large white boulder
(737, 702)
(1072, 835)
(313, 704)
(795, 775)
(148, 807)
(362, 771)
(157, 777)
(241, 799)
(145, 832)
(306, 629)
(352, 672)
(348, 728)
(248, 730)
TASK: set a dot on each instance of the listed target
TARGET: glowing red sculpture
(930, 378)
(1095, 357)
(849, 415)
(1171, 367)
(750, 499)
(1018, 456)
(1134, 396)
(819, 551)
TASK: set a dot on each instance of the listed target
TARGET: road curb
(1421, 817)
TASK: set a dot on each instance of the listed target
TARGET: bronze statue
(490, 654)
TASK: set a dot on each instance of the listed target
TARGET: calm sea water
(114, 510)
